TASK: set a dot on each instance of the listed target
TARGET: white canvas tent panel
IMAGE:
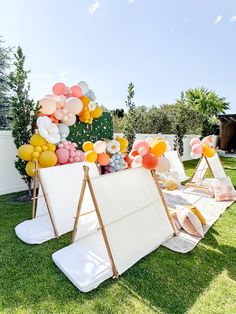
(216, 166)
(200, 171)
(176, 164)
(62, 186)
(134, 218)
(135, 223)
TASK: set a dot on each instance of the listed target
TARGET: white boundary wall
(10, 180)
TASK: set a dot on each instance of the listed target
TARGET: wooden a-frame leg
(35, 188)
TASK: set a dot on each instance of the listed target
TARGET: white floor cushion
(35, 231)
(85, 262)
(39, 229)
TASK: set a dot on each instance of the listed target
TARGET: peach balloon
(73, 105)
(100, 147)
(48, 105)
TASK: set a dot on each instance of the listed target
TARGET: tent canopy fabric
(176, 164)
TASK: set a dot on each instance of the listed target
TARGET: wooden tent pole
(81, 197)
(153, 172)
(35, 188)
(48, 206)
(115, 272)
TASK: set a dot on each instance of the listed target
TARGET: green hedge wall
(101, 128)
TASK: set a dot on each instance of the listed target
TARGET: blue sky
(162, 46)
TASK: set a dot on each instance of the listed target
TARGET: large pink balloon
(48, 105)
(63, 155)
(100, 147)
(59, 89)
(73, 105)
(197, 149)
(76, 91)
(163, 165)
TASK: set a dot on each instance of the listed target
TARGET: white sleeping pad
(85, 262)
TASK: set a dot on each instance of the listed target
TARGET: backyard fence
(10, 180)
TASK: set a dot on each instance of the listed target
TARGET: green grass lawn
(202, 281)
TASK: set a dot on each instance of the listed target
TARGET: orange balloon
(85, 100)
(149, 161)
(208, 151)
(103, 159)
(158, 147)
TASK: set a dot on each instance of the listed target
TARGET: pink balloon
(76, 91)
(62, 155)
(142, 151)
(59, 89)
(73, 105)
(195, 140)
(197, 149)
(140, 144)
(100, 147)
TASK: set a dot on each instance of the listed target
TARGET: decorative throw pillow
(197, 212)
(222, 192)
(189, 221)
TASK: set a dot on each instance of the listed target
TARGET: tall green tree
(23, 110)
(207, 103)
(130, 129)
(4, 86)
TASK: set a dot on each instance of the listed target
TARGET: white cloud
(130, 1)
(44, 76)
(233, 18)
(94, 7)
(63, 74)
(217, 20)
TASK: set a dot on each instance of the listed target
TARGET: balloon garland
(57, 112)
(202, 147)
(110, 154)
(149, 154)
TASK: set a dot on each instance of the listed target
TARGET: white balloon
(84, 87)
(48, 130)
(163, 165)
(91, 95)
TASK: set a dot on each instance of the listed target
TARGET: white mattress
(85, 262)
(35, 231)
(39, 229)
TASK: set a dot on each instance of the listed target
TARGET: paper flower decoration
(48, 130)
(113, 147)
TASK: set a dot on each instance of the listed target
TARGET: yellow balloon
(87, 146)
(47, 159)
(37, 140)
(25, 152)
(30, 166)
(208, 151)
(96, 113)
(35, 155)
(158, 147)
(51, 147)
(38, 149)
(123, 144)
(91, 156)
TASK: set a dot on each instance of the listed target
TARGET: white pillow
(189, 221)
